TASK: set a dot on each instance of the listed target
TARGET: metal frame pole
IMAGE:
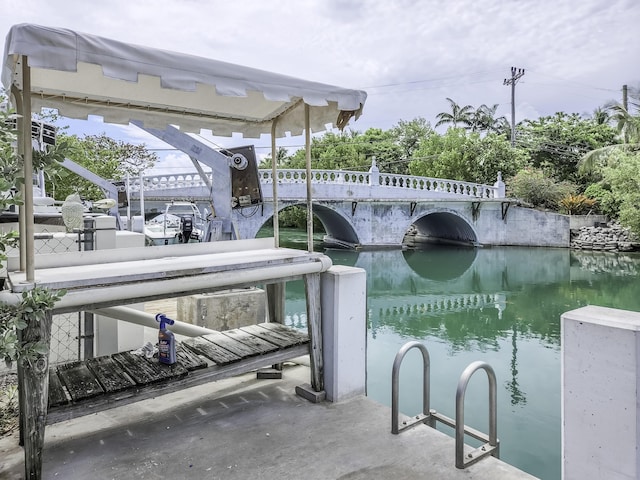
(307, 143)
(28, 171)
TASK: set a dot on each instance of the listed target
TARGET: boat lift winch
(234, 181)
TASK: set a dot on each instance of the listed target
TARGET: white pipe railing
(196, 283)
(131, 315)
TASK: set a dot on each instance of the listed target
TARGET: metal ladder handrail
(425, 416)
(491, 445)
(429, 416)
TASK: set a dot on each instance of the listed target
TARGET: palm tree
(462, 115)
(484, 119)
(601, 115)
(628, 127)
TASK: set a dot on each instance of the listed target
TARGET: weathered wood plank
(258, 344)
(109, 374)
(197, 377)
(150, 375)
(242, 350)
(314, 325)
(80, 381)
(188, 359)
(276, 333)
(57, 395)
(276, 301)
(144, 370)
(35, 385)
(210, 350)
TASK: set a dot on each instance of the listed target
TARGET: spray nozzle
(164, 320)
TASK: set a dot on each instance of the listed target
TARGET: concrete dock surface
(246, 428)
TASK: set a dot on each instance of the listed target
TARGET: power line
(565, 81)
(399, 84)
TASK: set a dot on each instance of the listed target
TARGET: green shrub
(576, 204)
(606, 202)
(532, 186)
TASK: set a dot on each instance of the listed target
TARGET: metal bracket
(353, 208)
(505, 209)
(413, 208)
(475, 210)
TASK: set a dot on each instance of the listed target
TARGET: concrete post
(374, 174)
(105, 232)
(112, 336)
(600, 384)
(500, 188)
(344, 331)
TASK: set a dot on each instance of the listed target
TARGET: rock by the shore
(613, 238)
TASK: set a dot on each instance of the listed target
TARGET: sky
(408, 55)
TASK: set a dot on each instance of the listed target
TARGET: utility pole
(625, 94)
(516, 73)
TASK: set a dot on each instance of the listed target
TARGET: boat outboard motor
(186, 228)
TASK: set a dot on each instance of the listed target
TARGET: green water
(498, 305)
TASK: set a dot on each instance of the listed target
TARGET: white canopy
(80, 74)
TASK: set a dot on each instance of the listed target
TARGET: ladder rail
(425, 417)
(491, 447)
(429, 417)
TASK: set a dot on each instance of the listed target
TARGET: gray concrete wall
(384, 223)
(223, 310)
(578, 221)
(600, 385)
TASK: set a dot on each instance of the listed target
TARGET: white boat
(181, 222)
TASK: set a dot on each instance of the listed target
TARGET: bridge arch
(338, 229)
(442, 227)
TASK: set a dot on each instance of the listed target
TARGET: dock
(244, 427)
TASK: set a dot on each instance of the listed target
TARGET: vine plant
(32, 307)
(34, 304)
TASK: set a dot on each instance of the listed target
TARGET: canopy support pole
(17, 101)
(274, 179)
(275, 291)
(307, 145)
(27, 152)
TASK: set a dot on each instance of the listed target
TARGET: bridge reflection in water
(499, 305)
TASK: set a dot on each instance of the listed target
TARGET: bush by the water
(537, 189)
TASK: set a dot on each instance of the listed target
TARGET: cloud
(409, 55)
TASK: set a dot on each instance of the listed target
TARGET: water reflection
(440, 263)
(500, 305)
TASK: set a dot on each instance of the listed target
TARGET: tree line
(570, 163)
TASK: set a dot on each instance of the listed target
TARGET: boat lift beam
(220, 189)
(109, 189)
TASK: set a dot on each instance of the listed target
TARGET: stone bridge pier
(385, 223)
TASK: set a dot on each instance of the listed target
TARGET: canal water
(498, 305)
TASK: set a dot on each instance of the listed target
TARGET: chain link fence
(71, 333)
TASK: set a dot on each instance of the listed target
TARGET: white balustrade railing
(334, 177)
(161, 182)
(447, 303)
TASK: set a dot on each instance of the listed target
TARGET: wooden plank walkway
(81, 388)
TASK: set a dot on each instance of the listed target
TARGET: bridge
(377, 210)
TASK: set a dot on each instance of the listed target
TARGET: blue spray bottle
(166, 341)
